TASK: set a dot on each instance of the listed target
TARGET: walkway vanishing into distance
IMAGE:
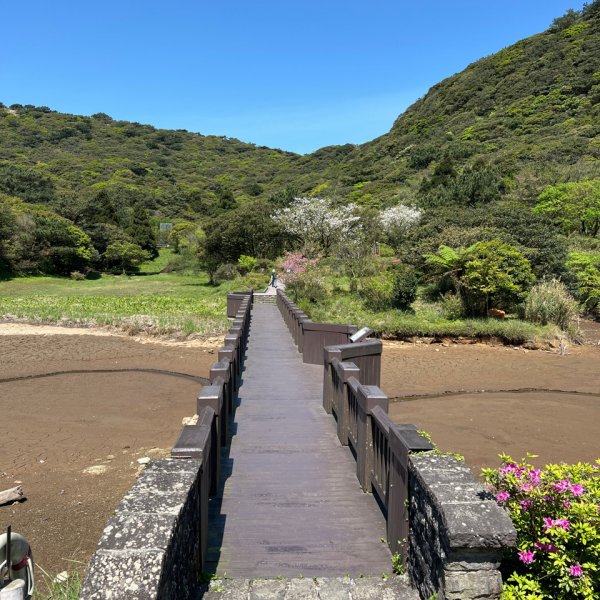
(289, 503)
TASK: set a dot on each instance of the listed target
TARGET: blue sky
(285, 74)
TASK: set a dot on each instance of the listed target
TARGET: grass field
(160, 303)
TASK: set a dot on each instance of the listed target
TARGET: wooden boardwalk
(289, 503)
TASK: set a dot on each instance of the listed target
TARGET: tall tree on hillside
(141, 231)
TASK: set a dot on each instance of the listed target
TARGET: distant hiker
(273, 279)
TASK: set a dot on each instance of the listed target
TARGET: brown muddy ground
(73, 440)
(480, 400)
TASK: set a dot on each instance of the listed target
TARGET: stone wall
(150, 548)
(457, 532)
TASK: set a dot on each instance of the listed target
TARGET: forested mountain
(530, 111)
(504, 129)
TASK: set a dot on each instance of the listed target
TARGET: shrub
(77, 276)
(255, 281)
(586, 268)
(452, 306)
(309, 286)
(386, 251)
(404, 289)
(378, 291)
(555, 513)
(246, 263)
(550, 302)
(225, 272)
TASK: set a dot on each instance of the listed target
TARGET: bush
(555, 513)
(226, 272)
(452, 306)
(309, 286)
(550, 302)
(404, 289)
(378, 291)
(246, 264)
(254, 281)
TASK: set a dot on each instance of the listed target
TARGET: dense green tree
(125, 255)
(574, 206)
(26, 183)
(248, 230)
(141, 231)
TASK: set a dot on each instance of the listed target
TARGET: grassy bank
(425, 320)
(159, 304)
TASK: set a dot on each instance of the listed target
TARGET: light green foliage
(486, 275)
(555, 513)
(247, 263)
(586, 268)
(125, 255)
(574, 206)
(377, 291)
(495, 275)
(551, 302)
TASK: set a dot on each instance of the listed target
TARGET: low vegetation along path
(291, 505)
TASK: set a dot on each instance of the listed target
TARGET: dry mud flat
(73, 439)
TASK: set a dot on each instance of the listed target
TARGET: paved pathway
(291, 505)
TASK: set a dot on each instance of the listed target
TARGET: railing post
(329, 353)
(344, 370)
(368, 396)
(229, 353)
(221, 369)
(211, 396)
(404, 439)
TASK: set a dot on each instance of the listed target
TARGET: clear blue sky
(290, 74)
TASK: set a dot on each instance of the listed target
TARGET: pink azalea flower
(502, 496)
(562, 486)
(566, 504)
(526, 504)
(576, 570)
(577, 490)
(534, 475)
(526, 487)
(548, 523)
(526, 556)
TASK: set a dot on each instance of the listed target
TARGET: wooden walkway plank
(290, 502)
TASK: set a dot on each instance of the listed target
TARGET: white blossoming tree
(317, 224)
(397, 220)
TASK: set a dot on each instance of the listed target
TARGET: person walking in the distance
(273, 279)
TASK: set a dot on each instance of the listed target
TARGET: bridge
(295, 484)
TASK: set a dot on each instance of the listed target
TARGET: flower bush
(556, 512)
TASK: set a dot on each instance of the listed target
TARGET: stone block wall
(457, 533)
(150, 548)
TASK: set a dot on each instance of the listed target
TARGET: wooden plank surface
(290, 503)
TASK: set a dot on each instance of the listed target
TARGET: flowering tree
(317, 224)
(397, 220)
(556, 514)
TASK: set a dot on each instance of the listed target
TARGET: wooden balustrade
(310, 338)
(351, 375)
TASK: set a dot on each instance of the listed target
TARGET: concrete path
(291, 505)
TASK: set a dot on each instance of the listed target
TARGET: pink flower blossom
(526, 556)
(534, 475)
(526, 487)
(549, 523)
(526, 504)
(562, 486)
(566, 504)
(544, 547)
(502, 496)
(576, 490)
(576, 570)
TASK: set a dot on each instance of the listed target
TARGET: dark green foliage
(404, 291)
(124, 256)
(38, 240)
(25, 183)
(141, 231)
(225, 272)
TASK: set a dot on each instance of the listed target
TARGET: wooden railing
(310, 337)
(215, 405)
(380, 447)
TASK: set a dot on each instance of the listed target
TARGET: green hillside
(79, 192)
(531, 110)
